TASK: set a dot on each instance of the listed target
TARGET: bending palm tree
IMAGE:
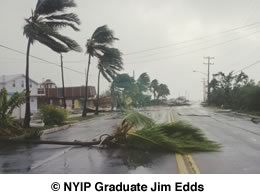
(96, 46)
(43, 27)
(163, 91)
(154, 87)
(109, 65)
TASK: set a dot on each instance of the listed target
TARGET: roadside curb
(56, 129)
(237, 113)
(64, 127)
(247, 115)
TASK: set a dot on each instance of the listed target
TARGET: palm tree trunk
(63, 87)
(97, 102)
(84, 112)
(112, 97)
(27, 117)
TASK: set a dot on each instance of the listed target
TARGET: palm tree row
(110, 60)
(43, 26)
(159, 90)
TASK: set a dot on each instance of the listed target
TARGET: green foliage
(123, 81)
(32, 133)
(7, 106)
(125, 87)
(110, 64)
(53, 115)
(154, 87)
(162, 91)
(137, 120)
(45, 22)
(109, 59)
(141, 132)
(45, 7)
(100, 42)
(234, 91)
(143, 82)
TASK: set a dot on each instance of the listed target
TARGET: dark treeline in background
(235, 91)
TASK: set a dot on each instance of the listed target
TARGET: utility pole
(208, 64)
(204, 90)
(63, 87)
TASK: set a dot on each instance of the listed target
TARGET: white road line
(54, 156)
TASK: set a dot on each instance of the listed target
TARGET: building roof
(48, 83)
(70, 92)
(7, 78)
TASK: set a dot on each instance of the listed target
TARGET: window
(14, 83)
(30, 84)
(22, 84)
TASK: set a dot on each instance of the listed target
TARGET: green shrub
(7, 106)
(53, 115)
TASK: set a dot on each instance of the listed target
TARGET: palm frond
(3, 101)
(51, 43)
(105, 75)
(7, 106)
(98, 48)
(174, 137)
(67, 17)
(45, 7)
(16, 100)
(110, 63)
(145, 140)
(140, 132)
(48, 36)
(113, 57)
(57, 25)
(103, 35)
(71, 44)
(138, 120)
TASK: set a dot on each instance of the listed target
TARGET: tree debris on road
(141, 132)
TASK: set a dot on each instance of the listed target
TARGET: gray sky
(190, 30)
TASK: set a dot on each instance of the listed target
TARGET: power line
(186, 41)
(195, 50)
(248, 66)
(176, 49)
(253, 12)
(40, 59)
(153, 54)
(250, 9)
(175, 44)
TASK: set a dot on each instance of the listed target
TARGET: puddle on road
(134, 158)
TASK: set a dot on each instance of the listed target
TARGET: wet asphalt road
(72, 159)
(239, 137)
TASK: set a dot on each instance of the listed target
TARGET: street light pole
(204, 84)
(200, 72)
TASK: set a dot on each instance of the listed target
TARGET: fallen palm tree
(141, 132)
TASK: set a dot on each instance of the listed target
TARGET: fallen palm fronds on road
(141, 132)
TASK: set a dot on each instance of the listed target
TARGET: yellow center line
(182, 169)
(192, 164)
(185, 163)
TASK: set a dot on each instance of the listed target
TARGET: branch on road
(140, 132)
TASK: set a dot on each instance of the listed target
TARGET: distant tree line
(235, 91)
(127, 92)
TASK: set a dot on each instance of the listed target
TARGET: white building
(16, 83)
